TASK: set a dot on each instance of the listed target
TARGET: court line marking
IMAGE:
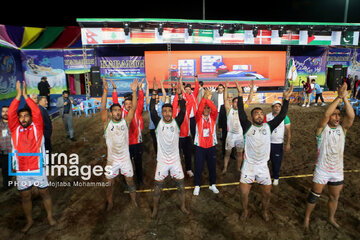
(233, 183)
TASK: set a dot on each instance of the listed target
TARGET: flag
(350, 38)
(113, 35)
(292, 73)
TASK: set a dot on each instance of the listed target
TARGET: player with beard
(329, 170)
(234, 133)
(257, 137)
(117, 142)
(136, 126)
(27, 137)
(167, 131)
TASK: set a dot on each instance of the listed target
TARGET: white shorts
(163, 169)
(124, 167)
(26, 182)
(234, 140)
(251, 173)
(325, 177)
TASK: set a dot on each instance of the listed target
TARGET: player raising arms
(330, 135)
(257, 135)
(117, 142)
(26, 126)
(234, 137)
(167, 131)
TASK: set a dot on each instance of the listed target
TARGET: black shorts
(335, 183)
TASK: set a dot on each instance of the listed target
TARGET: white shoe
(303, 105)
(196, 190)
(190, 173)
(323, 104)
(276, 182)
(308, 105)
(214, 189)
(315, 104)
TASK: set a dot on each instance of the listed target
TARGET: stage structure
(145, 31)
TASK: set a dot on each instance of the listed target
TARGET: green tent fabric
(47, 38)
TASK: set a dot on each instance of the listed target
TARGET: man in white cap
(277, 140)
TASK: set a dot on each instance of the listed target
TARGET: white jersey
(257, 144)
(117, 141)
(277, 136)
(233, 122)
(330, 145)
(167, 137)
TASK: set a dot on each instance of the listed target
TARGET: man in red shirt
(135, 136)
(27, 137)
(192, 99)
(205, 141)
(185, 141)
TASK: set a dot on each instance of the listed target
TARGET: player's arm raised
(132, 111)
(226, 102)
(163, 91)
(248, 101)
(104, 112)
(147, 92)
(330, 110)
(349, 114)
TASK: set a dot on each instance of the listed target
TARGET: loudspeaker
(96, 90)
(335, 77)
(95, 75)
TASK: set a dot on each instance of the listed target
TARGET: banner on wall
(337, 56)
(313, 65)
(75, 62)
(122, 70)
(10, 72)
(354, 68)
(104, 36)
(44, 63)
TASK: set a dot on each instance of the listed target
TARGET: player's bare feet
(306, 224)
(266, 215)
(334, 223)
(109, 206)
(154, 213)
(27, 226)
(52, 221)
(244, 216)
(224, 171)
(134, 204)
(184, 210)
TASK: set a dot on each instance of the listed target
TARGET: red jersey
(205, 136)
(26, 140)
(192, 99)
(137, 123)
(185, 126)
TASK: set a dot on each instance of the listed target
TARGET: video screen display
(266, 68)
